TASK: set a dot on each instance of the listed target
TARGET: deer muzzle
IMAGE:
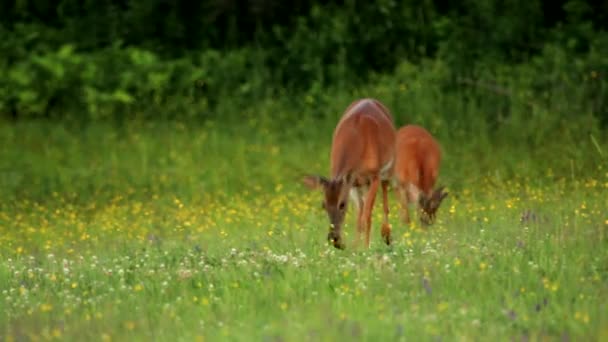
(335, 239)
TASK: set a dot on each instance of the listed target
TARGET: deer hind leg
(368, 207)
(386, 228)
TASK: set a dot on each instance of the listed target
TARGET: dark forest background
(121, 59)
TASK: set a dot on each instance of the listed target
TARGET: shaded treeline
(145, 58)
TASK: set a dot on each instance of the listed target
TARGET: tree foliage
(94, 59)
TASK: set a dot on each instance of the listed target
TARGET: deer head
(429, 205)
(335, 202)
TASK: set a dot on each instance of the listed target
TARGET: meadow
(152, 155)
(169, 231)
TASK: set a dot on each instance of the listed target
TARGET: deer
(417, 162)
(361, 159)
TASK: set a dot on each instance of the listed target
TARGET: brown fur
(417, 162)
(363, 144)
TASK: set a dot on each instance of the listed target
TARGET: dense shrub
(150, 58)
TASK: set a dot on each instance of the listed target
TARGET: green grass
(186, 232)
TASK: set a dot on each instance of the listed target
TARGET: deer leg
(355, 194)
(405, 214)
(386, 228)
(368, 207)
(419, 198)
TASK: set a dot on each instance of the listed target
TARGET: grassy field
(178, 233)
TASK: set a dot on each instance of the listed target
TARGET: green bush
(121, 83)
(150, 59)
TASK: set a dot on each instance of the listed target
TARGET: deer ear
(314, 182)
(441, 193)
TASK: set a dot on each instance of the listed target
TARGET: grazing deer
(417, 161)
(362, 157)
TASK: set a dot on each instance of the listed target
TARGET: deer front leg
(355, 194)
(386, 228)
(368, 206)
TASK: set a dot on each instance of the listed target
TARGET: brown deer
(417, 161)
(362, 157)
